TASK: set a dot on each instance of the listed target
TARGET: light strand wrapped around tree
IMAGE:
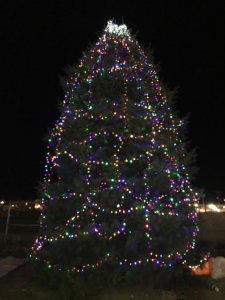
(116, 186)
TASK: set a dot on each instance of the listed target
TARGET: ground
(20, 285)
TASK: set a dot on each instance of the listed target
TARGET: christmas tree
(116, 189)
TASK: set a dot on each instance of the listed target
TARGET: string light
(145, 121)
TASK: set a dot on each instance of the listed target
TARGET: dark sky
(38, 39)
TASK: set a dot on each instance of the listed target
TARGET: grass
(20, 285)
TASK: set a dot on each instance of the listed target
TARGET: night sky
(38, 39)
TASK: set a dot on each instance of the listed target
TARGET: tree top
(114, 28)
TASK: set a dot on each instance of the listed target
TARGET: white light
(2, 202)
(114, 28)
(213, 207)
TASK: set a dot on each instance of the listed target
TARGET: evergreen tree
(116, 187)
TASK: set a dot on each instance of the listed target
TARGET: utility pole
(203, 200)
(218, 197)
(7, 223)
(201, 194)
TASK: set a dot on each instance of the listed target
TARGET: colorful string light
(117, 131)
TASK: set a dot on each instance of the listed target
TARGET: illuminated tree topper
(114, 28)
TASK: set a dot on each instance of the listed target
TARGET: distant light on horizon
(214, 208)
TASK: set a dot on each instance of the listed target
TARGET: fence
(29, 206)
(12, 205)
